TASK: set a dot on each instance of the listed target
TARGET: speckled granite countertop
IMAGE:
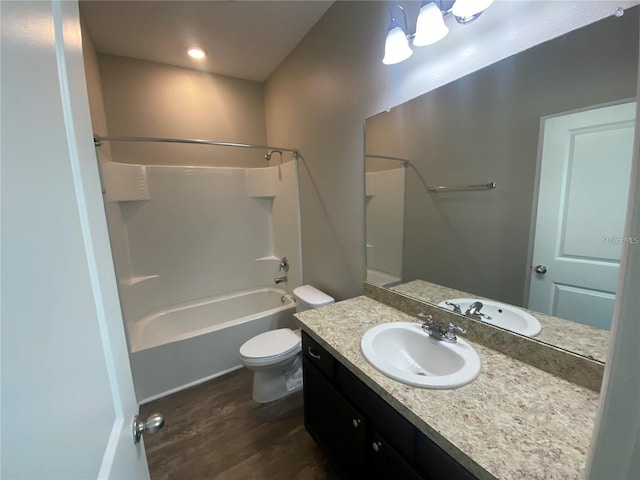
(513, 422)
(574, 337)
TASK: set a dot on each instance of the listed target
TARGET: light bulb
(196, 53)
(467, 9)
(396, 46)
(430, 26)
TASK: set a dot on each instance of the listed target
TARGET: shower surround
(196, 251)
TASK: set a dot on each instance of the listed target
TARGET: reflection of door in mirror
(582, 196)
(385, 190)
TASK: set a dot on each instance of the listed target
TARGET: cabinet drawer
(388, 422)
(317, 355)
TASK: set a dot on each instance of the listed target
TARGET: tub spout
(280, 279)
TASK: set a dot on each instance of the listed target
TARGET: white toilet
(275, 356)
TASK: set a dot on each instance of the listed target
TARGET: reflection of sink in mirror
(501, 315)
(404, 352)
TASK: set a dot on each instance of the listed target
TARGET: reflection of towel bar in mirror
(446, 188)
(386, 157)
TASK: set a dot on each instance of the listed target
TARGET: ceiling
(243, 39)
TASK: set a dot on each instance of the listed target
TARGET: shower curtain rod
(97, 141)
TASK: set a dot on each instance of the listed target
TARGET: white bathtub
(185, 345)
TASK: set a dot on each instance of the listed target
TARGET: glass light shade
(396, 47)
(469, 8)
(430, 26)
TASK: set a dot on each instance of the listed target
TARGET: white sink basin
(502, 315)
(404, 352)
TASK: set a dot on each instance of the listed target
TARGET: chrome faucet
(437, 332)
(279, 280)
(473, 311)
(456, 307)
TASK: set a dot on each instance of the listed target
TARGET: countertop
(571, 336)
(513, 422)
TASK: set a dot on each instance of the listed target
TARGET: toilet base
(269, 385)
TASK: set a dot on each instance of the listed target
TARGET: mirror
(491, 126)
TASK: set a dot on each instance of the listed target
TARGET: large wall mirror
(552, 129)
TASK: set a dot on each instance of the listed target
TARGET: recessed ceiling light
(196, 53)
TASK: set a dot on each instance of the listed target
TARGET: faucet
(279, 280)
(437, 332)
(473, 311)
(456, 307)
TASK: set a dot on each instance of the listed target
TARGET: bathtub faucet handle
(284, 265)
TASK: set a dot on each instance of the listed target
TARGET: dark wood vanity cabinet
(364, 436)
(336, 426)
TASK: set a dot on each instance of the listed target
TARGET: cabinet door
(334, 424)
(435, 463)
(385, 463)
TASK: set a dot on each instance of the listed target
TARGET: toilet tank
(308, 297)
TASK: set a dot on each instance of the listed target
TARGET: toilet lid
(269, 344)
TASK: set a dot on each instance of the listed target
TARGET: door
(67, 393)
(584, 186)
(335, 425)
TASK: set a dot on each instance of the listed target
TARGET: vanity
(514, 421)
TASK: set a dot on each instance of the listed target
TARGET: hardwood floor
(216, 431)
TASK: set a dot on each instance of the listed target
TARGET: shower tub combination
(197, 250)
(182, 346)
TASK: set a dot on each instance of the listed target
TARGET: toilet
(275, 357)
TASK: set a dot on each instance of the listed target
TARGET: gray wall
(94, 87)
(485, 127)
(146, 99)
(320, 95)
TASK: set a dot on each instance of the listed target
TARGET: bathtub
(184, 345)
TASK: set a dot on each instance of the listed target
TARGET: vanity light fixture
(396, 45)
(466, 11)
(196, 53)
(430, 27)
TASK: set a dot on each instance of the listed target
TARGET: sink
(404, 352)
(502, 315)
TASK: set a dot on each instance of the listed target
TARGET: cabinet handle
(356, 422)
(376, 446)
(314, 355)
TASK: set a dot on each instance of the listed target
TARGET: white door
(583, 193)
(67, 392)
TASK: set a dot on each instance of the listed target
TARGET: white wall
(203, 232)
(385, 191)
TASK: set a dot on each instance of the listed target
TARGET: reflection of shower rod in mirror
(451, 188)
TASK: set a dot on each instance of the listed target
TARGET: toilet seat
(270, 347)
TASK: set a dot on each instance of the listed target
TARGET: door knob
(541, 269)
(152, 424)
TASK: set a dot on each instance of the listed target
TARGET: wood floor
(216, 431)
